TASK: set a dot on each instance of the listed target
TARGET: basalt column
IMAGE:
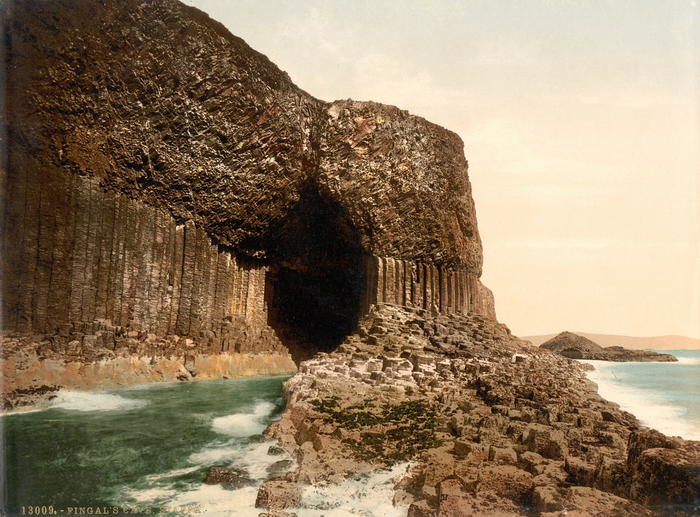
(169, 189)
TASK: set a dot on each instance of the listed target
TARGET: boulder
(228, 478)
(277, 494)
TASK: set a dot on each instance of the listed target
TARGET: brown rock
(421, 509)
(451, 487)
(503, 455)
(580, 471)
(546, 441)
(507, 481)
(228, 478)
(585, 501)
(547, 499)
(277, 494)
(667, 477)
(574, 346)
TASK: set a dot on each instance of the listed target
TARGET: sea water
(146, 450)
(663, 396)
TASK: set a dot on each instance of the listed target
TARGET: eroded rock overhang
(164, 178)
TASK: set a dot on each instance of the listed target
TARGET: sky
(581, 123)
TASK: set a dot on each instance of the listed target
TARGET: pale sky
(581, 123)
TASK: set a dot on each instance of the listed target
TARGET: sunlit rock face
(163, 178)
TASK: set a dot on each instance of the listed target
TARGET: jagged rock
(274, 450)
(279, 468)
(184, 185)
(546, 441)
(277, 494)
(517, 435)
(228, 478)
(661, 476)
(548, 499)
(585, 501)
(239, 215)
(34, 395)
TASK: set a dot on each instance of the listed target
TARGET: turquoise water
(146, 451)
(665, 396)
(143, 449)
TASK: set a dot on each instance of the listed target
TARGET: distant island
(646, 343)
(575, 346)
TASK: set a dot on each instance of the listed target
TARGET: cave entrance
(315, 283)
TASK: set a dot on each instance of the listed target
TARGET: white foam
(172, 473)
(650, 409)
(215, 501)
(94, 401)
(22, 410)
(211, 455)
(150, 495)
(687, 360)
(244, 424)
(253, 458)
(365, 496)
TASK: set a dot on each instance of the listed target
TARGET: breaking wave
(244, 424)
(369, 495)
(649, 406)
(94, 401)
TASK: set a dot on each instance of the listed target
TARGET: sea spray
(244, 424)
(664, 396)
(368, 495)
(142, 447)
(88, 401)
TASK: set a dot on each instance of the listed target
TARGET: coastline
(649, 406)
(482, 421)
(503, 426)
(30, 384)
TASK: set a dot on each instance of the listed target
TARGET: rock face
(491, 425)
(164, 178)
(176, 208)
(228, 478)
(574, 346)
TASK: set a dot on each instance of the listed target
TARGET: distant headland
(645, 343)
(575, 346)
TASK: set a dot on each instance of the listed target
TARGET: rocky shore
(574, 346)
(488, 424)
(175, 208)
(101, 356)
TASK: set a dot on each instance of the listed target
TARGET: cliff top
(160, 102)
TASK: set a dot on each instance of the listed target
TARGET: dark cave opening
(315, 283)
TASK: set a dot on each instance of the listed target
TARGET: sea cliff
(176, 208)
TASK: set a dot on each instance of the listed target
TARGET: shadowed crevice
(315, 283)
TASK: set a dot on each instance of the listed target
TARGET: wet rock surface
(160, 178)
(489, 424)
(229, 478)
(574, 346)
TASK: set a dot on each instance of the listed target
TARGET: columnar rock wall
(164, 178)
(426, 286)
(74, 254)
